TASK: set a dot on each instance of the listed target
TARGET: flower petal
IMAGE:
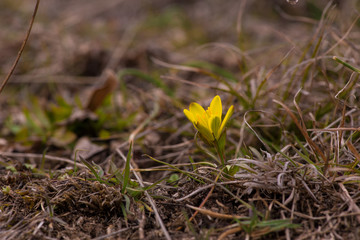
(216, 107)
(226, 119)
(199, 114)
(196, 109)
(190, 116)
(214, 123)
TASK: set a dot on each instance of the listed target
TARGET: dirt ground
(104, 83)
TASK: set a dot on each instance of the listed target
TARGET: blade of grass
(346, 64)
(93, 171)
(127, 168)
(42, 164)
(307, 159)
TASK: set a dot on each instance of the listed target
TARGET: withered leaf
(99, 94)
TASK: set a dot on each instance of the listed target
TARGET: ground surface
(103, 84)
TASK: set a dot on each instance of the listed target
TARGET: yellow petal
(190, 116)
(196, 109)
(214, 123)
(226, 119)
(199, 113)
(216, 107)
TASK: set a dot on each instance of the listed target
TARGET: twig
(21, 48)
(334, 129)
(228, 232)
(215, 214)
(48, 157)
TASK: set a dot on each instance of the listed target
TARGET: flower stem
(220, 152)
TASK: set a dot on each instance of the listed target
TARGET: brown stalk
(21, 48)
(214, 214)
(40, 156)
(334, 129)
(228, 232)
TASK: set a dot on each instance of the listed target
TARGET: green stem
(220, 153)
(206, 151)
(346, 64)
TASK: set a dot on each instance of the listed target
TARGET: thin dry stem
(21, 48)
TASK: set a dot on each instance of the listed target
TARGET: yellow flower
(209, 123)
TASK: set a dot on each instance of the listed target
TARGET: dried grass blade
(228, 232)
(215, 214)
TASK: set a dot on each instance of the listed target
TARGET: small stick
(215, 214)
(47, 157)
(21, 48)
(229, 232)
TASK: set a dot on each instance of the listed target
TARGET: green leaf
(94, 172)
(231, 170)
(173, 178)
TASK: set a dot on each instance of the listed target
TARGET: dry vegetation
(94, 143)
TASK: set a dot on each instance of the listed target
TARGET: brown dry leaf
(98, 95)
